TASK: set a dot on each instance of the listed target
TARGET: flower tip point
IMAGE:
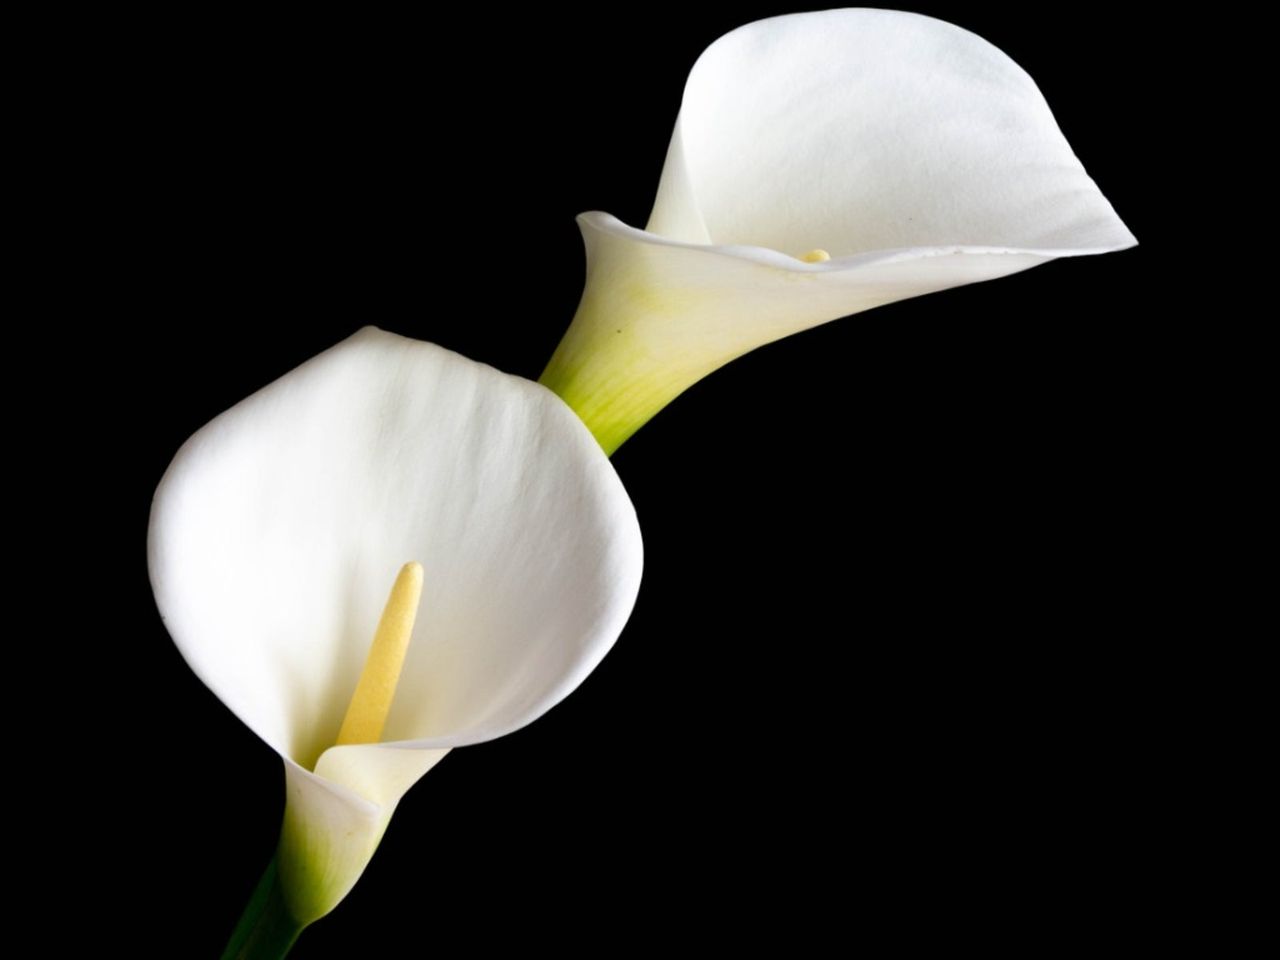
(816, 255)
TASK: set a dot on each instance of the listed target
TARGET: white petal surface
(914, 153)
(863, 130)
(279, 528)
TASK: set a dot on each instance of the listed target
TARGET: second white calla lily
(822, 164)
(278, 531)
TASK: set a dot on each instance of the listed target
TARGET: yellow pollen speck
(817, 255)
(370, 704)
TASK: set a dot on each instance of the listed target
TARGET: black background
(873, 686)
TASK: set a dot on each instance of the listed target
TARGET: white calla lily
(279, 529)
(822, 164)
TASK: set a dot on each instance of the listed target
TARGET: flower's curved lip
(608, 223)
(339, 790)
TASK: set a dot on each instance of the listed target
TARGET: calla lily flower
(822, 164)
(276, 536)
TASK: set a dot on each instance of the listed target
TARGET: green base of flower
(266, 931)
(613, 390)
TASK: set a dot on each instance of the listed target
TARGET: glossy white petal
(865, 130)
(279, 528)
(914, 153)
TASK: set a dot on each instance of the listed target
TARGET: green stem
(266, 931)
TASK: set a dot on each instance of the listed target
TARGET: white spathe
(913, 152)
(280, 526)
